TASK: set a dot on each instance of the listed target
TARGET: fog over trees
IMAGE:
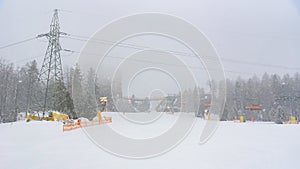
(20, 91)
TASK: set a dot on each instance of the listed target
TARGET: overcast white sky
(244, 32)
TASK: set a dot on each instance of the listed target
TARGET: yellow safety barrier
(293, 120)
(59, 116)
(99, 116)
(48, 118)
(35, 117)
(28, 117)
(208, 117)
(54, 117)
(242, 119)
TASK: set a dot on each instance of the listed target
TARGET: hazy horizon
(251, 37)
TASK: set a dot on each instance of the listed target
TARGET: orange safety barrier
(108, 119)
(80, 124)
(68, 127)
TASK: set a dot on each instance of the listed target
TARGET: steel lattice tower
(51, 74)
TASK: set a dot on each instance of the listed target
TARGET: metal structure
(51, 74)
(168, 104)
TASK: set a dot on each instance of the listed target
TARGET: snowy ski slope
(234, 145)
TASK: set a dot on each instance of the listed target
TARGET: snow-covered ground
(234, 145)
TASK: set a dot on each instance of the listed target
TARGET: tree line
(20, 91)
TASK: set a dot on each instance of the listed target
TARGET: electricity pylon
(51, 74)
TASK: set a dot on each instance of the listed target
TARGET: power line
(231, 32)
(17, 43)
(259, 64)
(139, 47)
(176, 65)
